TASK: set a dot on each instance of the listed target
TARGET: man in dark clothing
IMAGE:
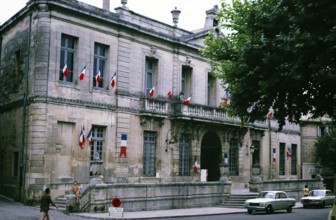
(45, 203)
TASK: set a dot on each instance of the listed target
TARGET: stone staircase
(61, 202)
(237, 200)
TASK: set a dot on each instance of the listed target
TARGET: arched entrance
(211, 155)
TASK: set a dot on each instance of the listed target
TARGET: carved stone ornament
(188, 60)
(153, 50)
(43, 7)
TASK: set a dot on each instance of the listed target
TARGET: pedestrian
(45, 203)
(305, 191)
(75, 190)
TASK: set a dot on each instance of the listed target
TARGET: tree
(279, 54)
(326, 149)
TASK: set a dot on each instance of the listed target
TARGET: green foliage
(326, 149)
(279, 54)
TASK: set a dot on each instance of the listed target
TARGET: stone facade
(43, 113)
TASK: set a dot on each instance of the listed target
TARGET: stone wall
(155, 196)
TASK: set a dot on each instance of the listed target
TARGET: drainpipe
(24, 116)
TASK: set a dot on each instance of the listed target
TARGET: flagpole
(270, 146)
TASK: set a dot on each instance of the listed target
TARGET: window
(256, 152)
(294, 160)
(282, 153)
(15, 163)
(184, 165)
(211, 90)
(149, 153)
(151, 74)
(186, 81)
(99, 64)
(67, 57)
(233, 157)
(97, 147)
(321, 130)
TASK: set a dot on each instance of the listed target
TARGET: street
(297, 214)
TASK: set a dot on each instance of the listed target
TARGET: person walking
(45, 203)
(305, 191)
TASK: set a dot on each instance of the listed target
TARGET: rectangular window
(97, 147)
(67, 57)
(282, 156)
(256, 152)
(17, 73)
(294, 160)
(149, 153)
(233, 157)
(186, 81)
(15, 170)
(99, 64)
(321, 130)
(211, 90)
(151, 74)
(184, 160)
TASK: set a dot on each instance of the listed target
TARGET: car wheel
(322, 204)
(249, 211)
(269, 209)
(289, 209)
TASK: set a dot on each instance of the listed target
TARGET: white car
(319, 198)
(269, 201)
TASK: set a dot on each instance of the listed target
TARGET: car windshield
(267, 195)
(316, 193)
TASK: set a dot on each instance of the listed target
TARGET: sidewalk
(171, 213)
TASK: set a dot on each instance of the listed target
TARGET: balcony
(175, 109)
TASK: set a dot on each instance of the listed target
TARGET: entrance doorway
(211, 155)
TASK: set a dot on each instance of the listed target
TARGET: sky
(192, 15)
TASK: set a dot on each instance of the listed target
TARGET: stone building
(140, 134)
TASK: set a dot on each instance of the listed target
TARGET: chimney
(210, 20)
(106, 5)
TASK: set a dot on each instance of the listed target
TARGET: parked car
(319, 198)
(332, 213)
(269, 201)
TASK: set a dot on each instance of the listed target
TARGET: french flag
(289, 151)
(170, 95)
(81, 138)
(98, 77)
(195, 166)
(89, 137)
(274, 154)
(270, 113)
(151, 92)
(82, 73)
(113, 79)
(187, 101)
(123, 145)
(65, 70)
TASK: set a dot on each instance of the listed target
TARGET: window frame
(184, 155)
(67, 56)
(98, 141)
(99, 64)
(149, 147)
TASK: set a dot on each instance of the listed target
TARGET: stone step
(237, 200)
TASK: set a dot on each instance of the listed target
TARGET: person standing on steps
(45, 203)
(75, 189)
(305, 191)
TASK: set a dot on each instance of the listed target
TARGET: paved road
(10, 210)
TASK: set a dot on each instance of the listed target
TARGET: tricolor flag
(98, 77)
(82, 73)
(270, 113)
(151, 92)
(65, 70)
(274, 154)
(89, 137)
(170, 95)
(113, 79)
(187, 101)
(289, 151)
(226, 160)
(195, 166)
(123, 145)
(81, 138)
